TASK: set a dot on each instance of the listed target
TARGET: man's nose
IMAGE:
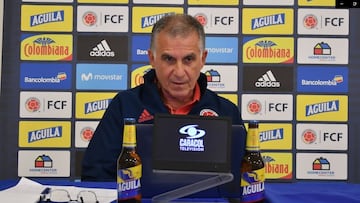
(179, 68)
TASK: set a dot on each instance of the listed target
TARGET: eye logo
(310, 21)
(254, 107)
(192, 131)
(89, 18)
(201, 18)
(208, 112)
(32, 104)
(309, 136)
(87, 134)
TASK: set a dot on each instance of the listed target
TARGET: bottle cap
(129, 121)
(253, 124)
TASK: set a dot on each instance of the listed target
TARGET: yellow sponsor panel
(322, 108)
(232, 97)
(45, 134)
(317, 3)
(145, 17)
(278, 165)
(137, 75)
(104, 1)
(213, 2)
(269, 50)
(92, 105)
(275, 136)
(47, 18)
(267, 21)
(47, 47)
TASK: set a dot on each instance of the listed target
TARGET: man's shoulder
(131, 91)
(211, 95)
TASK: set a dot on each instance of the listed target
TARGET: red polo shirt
(187, 107)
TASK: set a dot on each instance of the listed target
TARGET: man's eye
(168, 58)
(189, 59)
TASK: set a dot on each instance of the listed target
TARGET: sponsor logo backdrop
(292, 65)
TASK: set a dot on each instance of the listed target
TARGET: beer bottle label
(129, 182)
(253, 185)
(129, 138)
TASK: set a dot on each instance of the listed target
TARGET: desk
(297, 192)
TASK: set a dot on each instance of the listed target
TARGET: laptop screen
(187, 143)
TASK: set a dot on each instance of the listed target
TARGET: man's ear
(203, 57)
(151, 57)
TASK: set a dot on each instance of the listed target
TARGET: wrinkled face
(177, 62)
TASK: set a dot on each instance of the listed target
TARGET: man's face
(177, 62)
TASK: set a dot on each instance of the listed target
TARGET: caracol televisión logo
(193, 141)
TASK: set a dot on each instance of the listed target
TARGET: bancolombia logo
(46, 47)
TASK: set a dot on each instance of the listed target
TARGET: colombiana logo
(194, 140)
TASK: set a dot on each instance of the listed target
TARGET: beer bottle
(129, 167)
(253, 167)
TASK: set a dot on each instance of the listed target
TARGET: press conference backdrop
(291, 64)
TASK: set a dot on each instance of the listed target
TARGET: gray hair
(178, 24)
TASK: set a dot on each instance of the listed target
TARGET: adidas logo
(267, 80)
(102, 49)
(145, 116)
